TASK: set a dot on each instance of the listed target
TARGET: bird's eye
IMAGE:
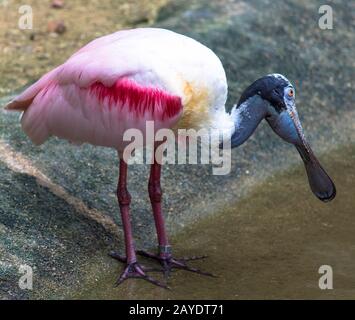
(291, 93)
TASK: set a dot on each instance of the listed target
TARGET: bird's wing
(104, 60)
(83, 70)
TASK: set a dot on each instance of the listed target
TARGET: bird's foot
(135, 270)
(169, 263)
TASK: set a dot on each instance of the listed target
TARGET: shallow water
(269, 245)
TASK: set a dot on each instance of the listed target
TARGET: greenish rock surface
(69, 250)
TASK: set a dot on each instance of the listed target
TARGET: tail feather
(33, 103)
(18, 105)
(25, 99)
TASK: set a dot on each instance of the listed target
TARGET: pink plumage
(119, 82)
(139, 99)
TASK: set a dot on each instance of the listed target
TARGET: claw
(117, 256)
(170, 263)
(148, 255)
(180, 264)
(193, 258)
(134, 270)
(123, 259)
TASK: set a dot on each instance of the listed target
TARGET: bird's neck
(241, 122)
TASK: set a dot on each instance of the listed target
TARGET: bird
(122, 80)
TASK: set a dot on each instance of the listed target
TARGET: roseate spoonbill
(121, 80)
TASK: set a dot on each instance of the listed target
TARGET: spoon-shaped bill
(288, 126)
(321, 184)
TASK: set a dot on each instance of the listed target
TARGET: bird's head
(273, 98)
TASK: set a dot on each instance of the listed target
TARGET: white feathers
(223, 122)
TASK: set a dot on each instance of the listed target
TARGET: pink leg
(164, 248)
(155, 195)
(124, 200)
(133, 268)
